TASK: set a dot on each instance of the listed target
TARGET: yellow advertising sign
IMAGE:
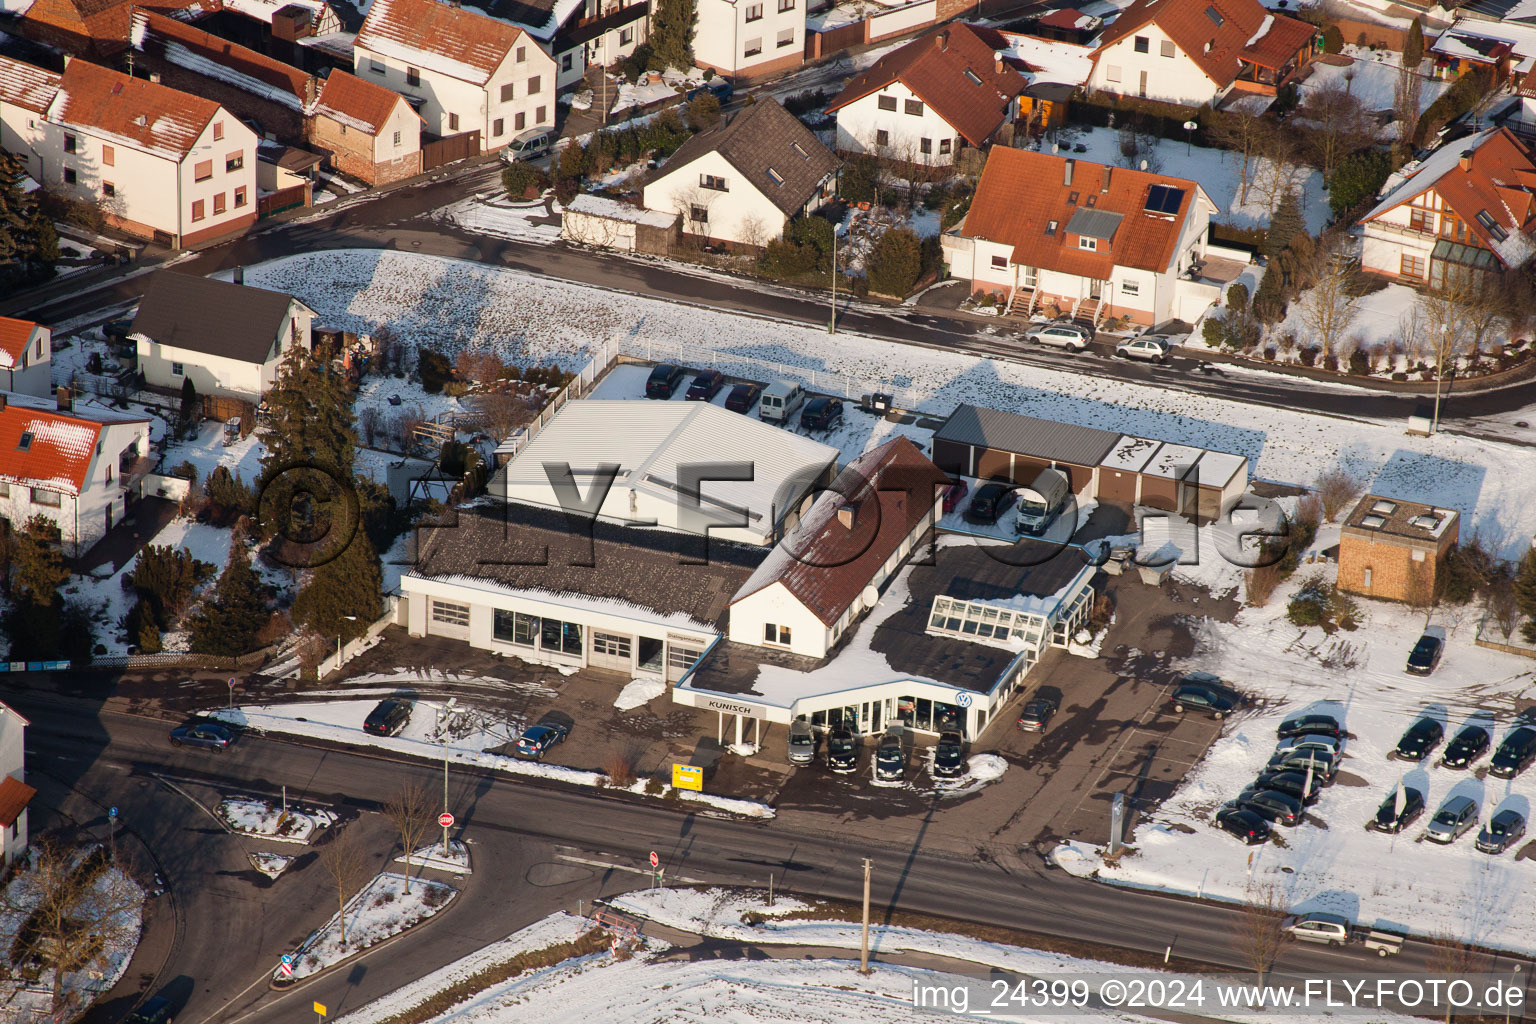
(687, 776)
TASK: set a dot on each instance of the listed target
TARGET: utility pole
(1445, 341)
(864, 940)
(832, 320)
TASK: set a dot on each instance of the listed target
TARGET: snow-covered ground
(490, 214)
(258, 816)
(638, 692)
(453, 304)
(270, 864)
(383, 909)
(456, 860)
(1372, 78)
(1331, 862)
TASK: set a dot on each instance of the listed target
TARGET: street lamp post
(1445, 341)
(352, 618)
(443, 715)
(832, 319)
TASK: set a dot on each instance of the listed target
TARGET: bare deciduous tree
(347, 864)
(1446, 311)
(1261, 927)
(1450, 955)
(1331, 306)
(752, 231)
(1339, 489)
(410, 811)
(1503, 604)
(1340, 124)
(1242, 130)
(1276, 174)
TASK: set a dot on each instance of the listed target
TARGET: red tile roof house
(159, 164)
(927, 100)
(817, 583)
(1192, 52)
(79, 468)
(463, 70)
(1096, 241)
(371, 133)
(97, 29)
(26, 349)
(15, 794)
(1470, 204)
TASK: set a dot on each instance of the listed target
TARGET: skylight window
(972, 77)
(1215, 16)
(1050, 227)
(801, 150)
(1373, 522)
(26, 440)
(1493, 227)
(1386, 508)
(775, 176)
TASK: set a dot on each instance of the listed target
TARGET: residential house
(1193, 52)
(826, 573)
(25, 351)
(594, 32)
(1394, 549)
(463, 70)
(371, 133)
(1090, 239)
(1068, 25)
(1053, 72)
(1470, 204)
(97, 29)
(921, 103)
(80, 469)
(228, 339)
(1506, 48)
(15, 794)
(250, 85)
(743, 181)
(749, 38)
(158, 163)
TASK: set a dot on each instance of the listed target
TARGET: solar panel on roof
(1164, 199)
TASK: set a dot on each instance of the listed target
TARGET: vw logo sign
(962, 698)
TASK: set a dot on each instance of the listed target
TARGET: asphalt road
(538, 849)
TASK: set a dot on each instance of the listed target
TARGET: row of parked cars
(1308, 751)
(776, 403)
(892, 752)
(1075, 337)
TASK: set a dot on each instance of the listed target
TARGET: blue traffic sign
(112, 813)
(287, 958)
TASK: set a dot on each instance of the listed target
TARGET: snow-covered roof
(129, 111)
(212, 57)
(26, 86)
(460, 42)
(1172, 461)
(262, 10)
(1051, 60)
(612, 209)
(45, 448)
(1130, 454)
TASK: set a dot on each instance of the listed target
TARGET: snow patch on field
(638, 692)
(382, 910)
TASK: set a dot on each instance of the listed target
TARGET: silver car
(802, 742)
(1329, 928)
(1452, 820)
(1311, 741)
(1151, 347)
(1062, 335)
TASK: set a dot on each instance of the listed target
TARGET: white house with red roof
(26, 349)
(1094, 241)
(924, 102)
(1192, 52)
(461, 69)
(15, 794)
(159, 163)
(79, 468)
(1470, 204)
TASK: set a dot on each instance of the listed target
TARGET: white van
(1042, 501)
(780, 401)
(530, 145)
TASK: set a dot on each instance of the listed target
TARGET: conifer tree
(228, 623)
(1525, 593)
(342, 596)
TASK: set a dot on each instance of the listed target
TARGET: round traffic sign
(445, 819)
(112, 813)
(287, 958)
(655, 860)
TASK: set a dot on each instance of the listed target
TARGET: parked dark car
(1212, 698)
(664, 380)
(842, 750)
(208, 735)
(891, 756)
(822, 414)
(117, 330)
(1244, 824)
(706, 384)
(743, 397)
(1273, 806)
(155, 1010)
(1036, 713)
(990, 502)
(1425, 655)
(1293, 783)
(1391, 820)
(718, 87)
(388, 717)
(1422, 737)
(1502, 832)
(1468, 745)
(949, 755)
(536, 740)
(1314, 724)
(953, 493)
(1515, 754)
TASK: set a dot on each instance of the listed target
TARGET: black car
(117, 330)
(1502, 832)
(1422, 737)
(822, 414)
(664, 380)
(743, 397)
(1273, 806)
(705, 386)
(536, 740)
(1216, 701)
(1292, 783)
(842, 751)
(990, 502)
(1468, 745)
(1244, 824)
(1313, 724)
(718, 87)
(1515, 754)
(891, 757)
(949, 755)
(1036, 713)
(156, 1010)
(208, 735)
(1425, 655)
(388, 717)
(1391, 820)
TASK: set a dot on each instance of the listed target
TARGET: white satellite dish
(1143, 165)
(870, 597)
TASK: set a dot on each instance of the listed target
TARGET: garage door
(952, 457)
(991, 463)
(448, 618)
(1026, 469)
(1160, 493)
(1117, 485)
(611, 650)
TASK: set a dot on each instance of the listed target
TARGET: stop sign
(655, 860)
(445, 819)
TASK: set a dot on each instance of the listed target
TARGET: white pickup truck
(1336, 930)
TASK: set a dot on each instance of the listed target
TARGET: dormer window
(1091, 244)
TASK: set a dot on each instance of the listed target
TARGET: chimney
(2, 409)
(63, 399)
(846, 516)
(1067, 174)
(1466, 160)
(239, 275)
(311, 91)
(1108, 170)
(943, 39)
